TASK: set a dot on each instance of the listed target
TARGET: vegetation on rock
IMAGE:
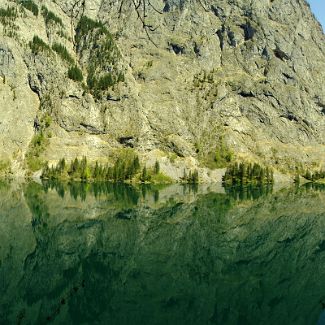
(38, 45)
(223, 155)
(233, 90)
(36, 148)
(220, 157)
(63, 52)
(160, 178)
(8, 13)
(75, 73)
(86, 25)
(50, 17)
(103, 70)
(30, 5)
(7, 19)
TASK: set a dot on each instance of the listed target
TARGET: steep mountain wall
(183, 77)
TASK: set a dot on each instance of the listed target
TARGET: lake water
(105, 254)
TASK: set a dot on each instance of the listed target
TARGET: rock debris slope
(182, 77)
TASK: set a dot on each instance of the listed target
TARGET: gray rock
(252, 71)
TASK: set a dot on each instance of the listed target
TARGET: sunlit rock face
(125, 257)
(192, 71)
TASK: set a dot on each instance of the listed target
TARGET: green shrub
(63, 52)
(105, 81)
(38, 45)
(86, 24)
(50, 16)
(75, 73)
(54, 172)
(120, 77)
(172, 157)
(223, 155)
(38, 139)
(297, 179)
(214, 156)
(46, 120)
(126, 168)
(160, 178)
(36, 148)
(30, 5)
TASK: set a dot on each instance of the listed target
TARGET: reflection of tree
(156, 196)
(34, 196)
(312, 186)
(54, 184)
(79, 189)
(124, 194)
(129, 195)
(190, 188)
(248, 192)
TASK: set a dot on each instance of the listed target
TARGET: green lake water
(115, 254)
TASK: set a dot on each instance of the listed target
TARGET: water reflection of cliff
(198, 257)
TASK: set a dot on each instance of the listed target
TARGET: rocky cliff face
(164, 77)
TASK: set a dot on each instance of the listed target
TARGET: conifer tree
(157, 167)
(144, 175)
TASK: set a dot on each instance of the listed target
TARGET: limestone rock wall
(192, 71)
